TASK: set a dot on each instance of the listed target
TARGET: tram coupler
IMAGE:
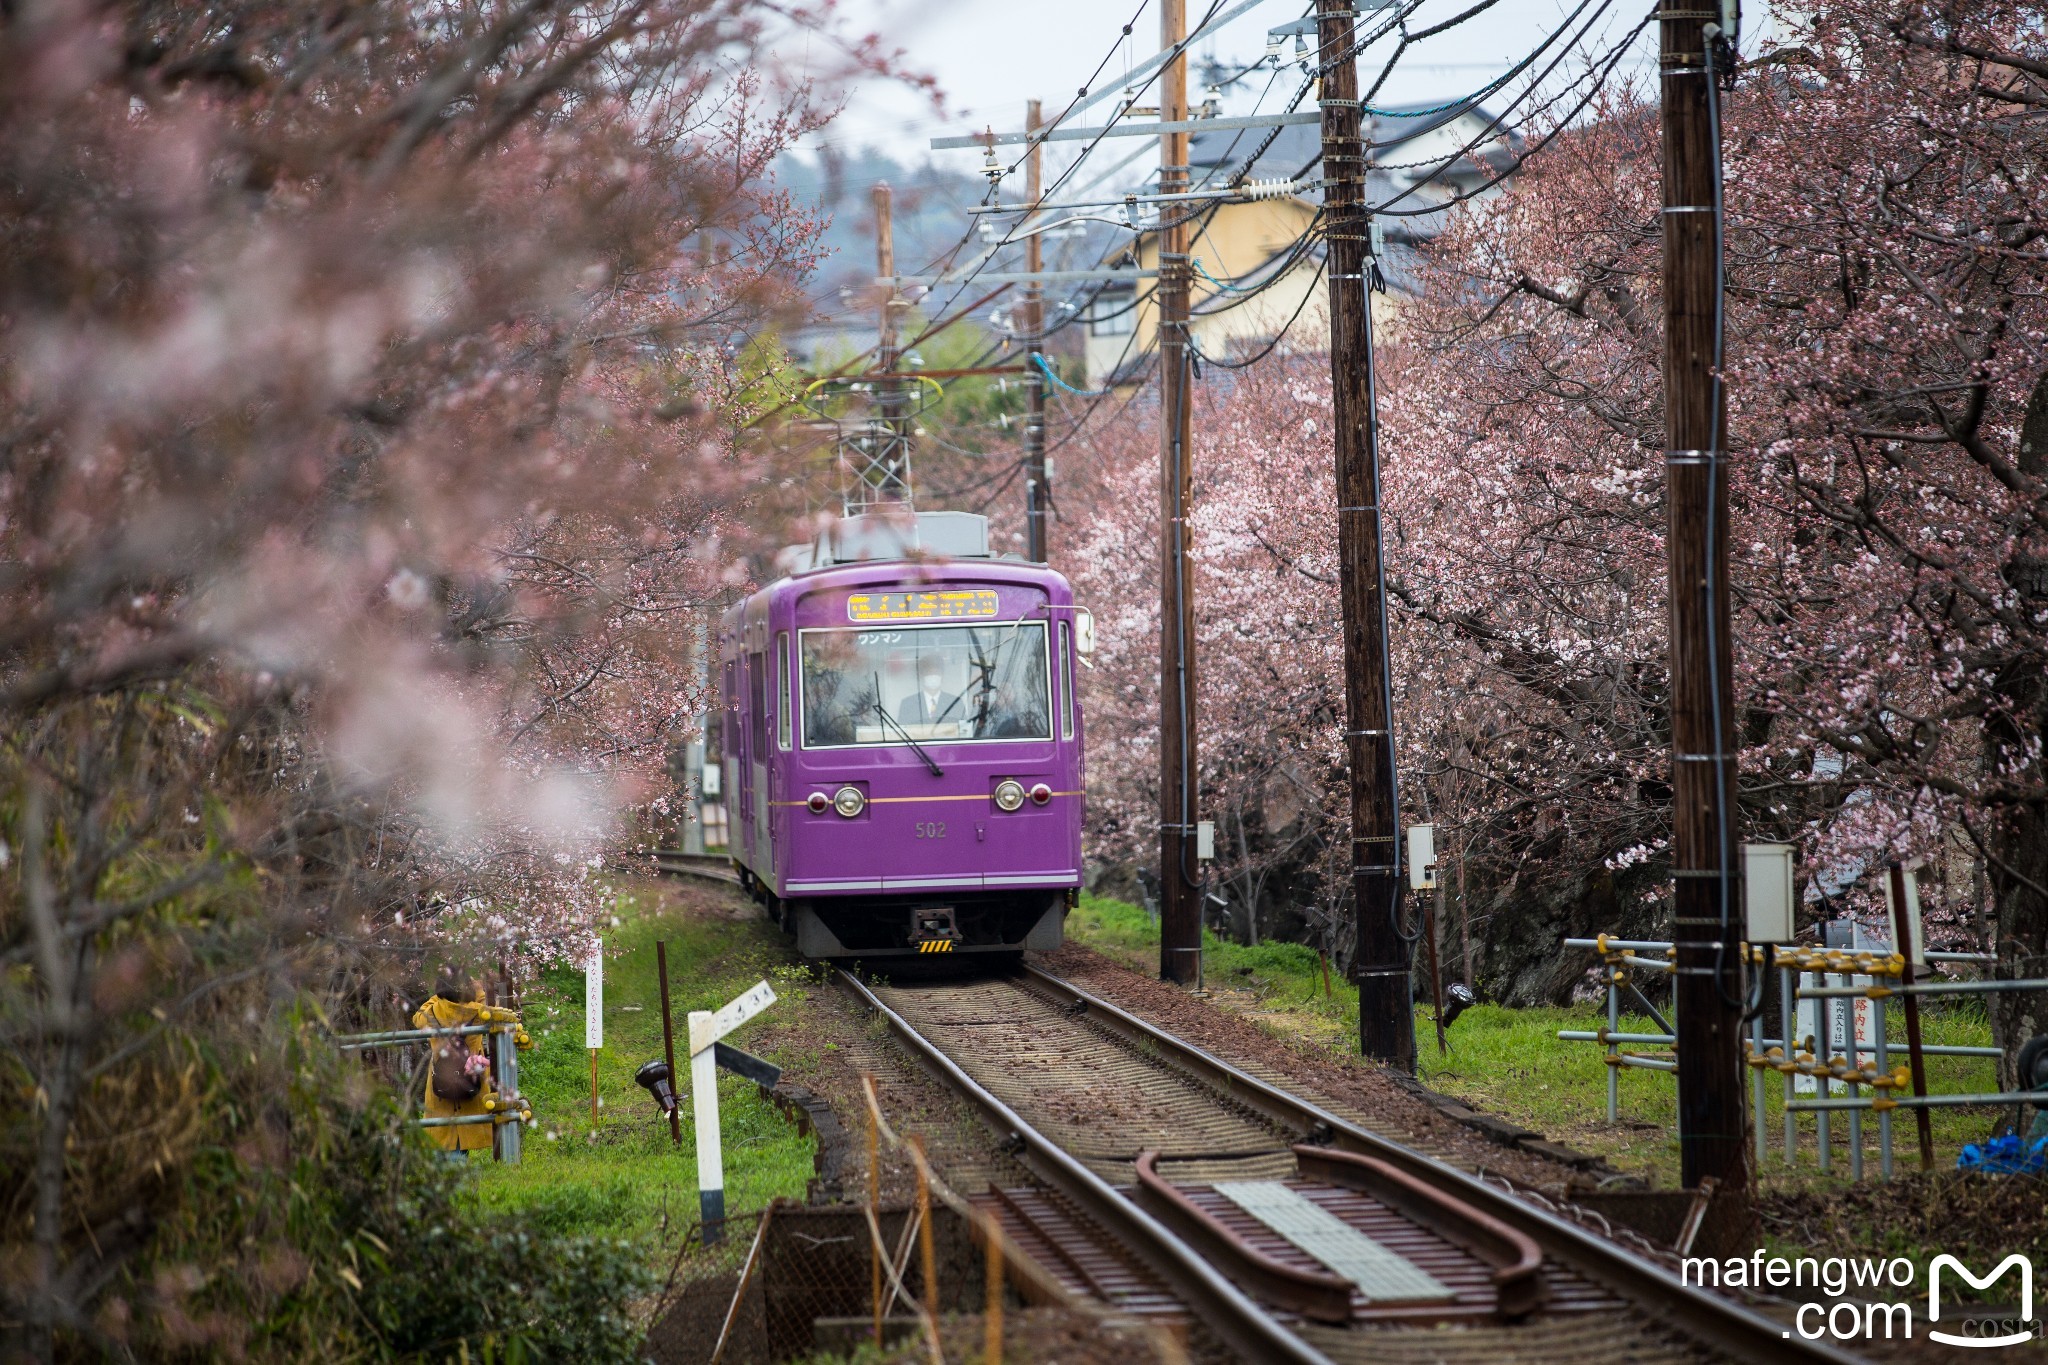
(932, 929)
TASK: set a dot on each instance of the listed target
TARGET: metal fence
(927, 1278)
(1846, 1058)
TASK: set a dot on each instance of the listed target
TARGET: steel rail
(1706, 1317)
(1242, 1324)
(715, 866)
(1314, 1294)
(1515, 1258)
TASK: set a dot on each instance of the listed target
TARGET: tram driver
(931, 702)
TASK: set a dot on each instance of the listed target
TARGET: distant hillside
(930, 212)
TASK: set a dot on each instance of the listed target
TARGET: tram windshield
(871, 687)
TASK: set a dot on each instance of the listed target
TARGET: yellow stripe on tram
(936, 945)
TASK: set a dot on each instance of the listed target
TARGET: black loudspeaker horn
(654, 1077)
(2033, 1063)
(1458, 997)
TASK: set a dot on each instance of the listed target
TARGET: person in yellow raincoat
(439, 1013)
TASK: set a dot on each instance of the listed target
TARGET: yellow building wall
(1235, 240)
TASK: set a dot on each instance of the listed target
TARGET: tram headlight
(818, 803)
(1009, 794)
(849, 801)
(1040, 794)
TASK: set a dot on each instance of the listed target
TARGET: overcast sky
(990, 58)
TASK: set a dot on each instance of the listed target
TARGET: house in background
(1423, 159)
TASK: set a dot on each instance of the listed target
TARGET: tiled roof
(1295, 146)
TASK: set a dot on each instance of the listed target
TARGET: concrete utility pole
(1386, 1012)
(1037, 478)
(1180, 893)
(1706, 921)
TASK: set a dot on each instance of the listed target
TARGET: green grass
(623, 1176)
(1282, 979)
(1512, 1063)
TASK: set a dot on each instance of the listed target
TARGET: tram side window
(757, 701)
(782, 690)
(729, 735)
(1066, 682)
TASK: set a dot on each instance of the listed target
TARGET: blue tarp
(2008, 1155)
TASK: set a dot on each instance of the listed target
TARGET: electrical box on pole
(1422, 857)
(1767, 892)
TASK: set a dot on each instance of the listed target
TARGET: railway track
(714, 866)
(1177, 1187)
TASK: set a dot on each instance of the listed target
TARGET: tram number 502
(931, 829)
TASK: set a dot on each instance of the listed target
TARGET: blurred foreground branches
(372, 395)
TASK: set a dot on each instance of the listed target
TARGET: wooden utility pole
(885, 269)
(1037, 477)
(1382, 964)
(1903, 907)
(894, 484)
(1180, 893)
(1706, 901)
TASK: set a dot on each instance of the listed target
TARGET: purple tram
(902, 742)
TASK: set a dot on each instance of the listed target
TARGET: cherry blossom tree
(1887, 414)
(373, 434)
(1884, 350)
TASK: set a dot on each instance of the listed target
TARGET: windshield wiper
(888, 719)
(985, 686)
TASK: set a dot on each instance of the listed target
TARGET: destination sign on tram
(950, 605)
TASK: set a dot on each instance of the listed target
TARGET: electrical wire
(1300, 247)
(1452, 22)
(942, 263)
(1710, 587)
(1593, 88)
(1245, 167)
(1078, 161)
(1118, 116)
(1084, 310)
(1164, 221)
(1450, 160)
(1121, 45)
(1372, 424)
(1063, 385)
(1279, 336)
(1310, 82)
(1159, 225)
(1188, 780)
(1209, 209)
(1203, 271)
(1138, 380)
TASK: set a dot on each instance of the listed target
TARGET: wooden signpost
(706, 1028)
(593, 1017)
(1909, 941)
